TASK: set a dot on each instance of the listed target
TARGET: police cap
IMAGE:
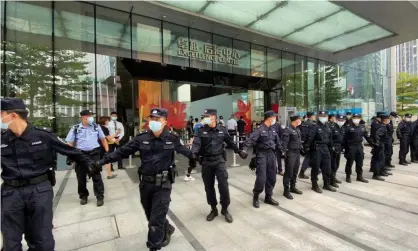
(158, 112)
(86, 113)
(340, 117)
(408, 115)
(8, 104)
(209, 112)
(347, 113)
(309, 114)
(293, 118)
(394, 114)
(331, 116)
(356, 115)
(322, 113)
(269, 114)
(379, 114)
(384, 116)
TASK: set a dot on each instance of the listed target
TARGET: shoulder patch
(142, 132)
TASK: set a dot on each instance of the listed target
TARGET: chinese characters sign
(207, 52)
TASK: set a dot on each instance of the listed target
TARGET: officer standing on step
(304, 130)
(85, 137)
(389, 143)
(292, 145)
(404, 133)
(26, 192)
(266, 142)
(353, 147)
(337, 133)
(208, 144)
(156, 148)
(319, 145)
(378, 137)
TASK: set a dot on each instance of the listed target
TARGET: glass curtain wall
(62, 57)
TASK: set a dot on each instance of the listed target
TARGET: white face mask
(407, 119)
(348, 116)
(340, 123)
(323, 120)
(356, 121)
(207, 121)
(273, 122)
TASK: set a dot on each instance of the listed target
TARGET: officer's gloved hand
(302, 152)
(243, 154)
(192, 162)
(94, 168)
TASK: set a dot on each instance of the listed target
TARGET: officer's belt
(159, 179)
(95, 150)
(212, 155)
(264, 150)
(355, 143)
(22, 183)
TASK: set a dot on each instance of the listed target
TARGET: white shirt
(113, 126)
(231, 124)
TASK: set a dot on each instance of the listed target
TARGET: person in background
(232, 125)
(404, 135)
(221, 121)
(304, 130)
(414, 141)
(253, 126)
(117, 130)
(189, 127)
(279, 129)
(389, 143)
(104, 123)
(348, 116)
(190, 169)
(198, 125)
(241, 127)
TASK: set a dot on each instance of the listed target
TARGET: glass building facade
(63, 57)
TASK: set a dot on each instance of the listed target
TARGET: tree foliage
(407, 92)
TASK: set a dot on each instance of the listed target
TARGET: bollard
(130, 157)
(234, 156)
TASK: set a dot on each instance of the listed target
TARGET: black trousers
(279, 162)
(27, 210)
(305, 163)
(388, 151)
(291, 167)
(156, 201)
(320, 158)
(355, 153)
(377, 162)
(266, 173)
(112, 148)
(335, 160)
(414, 148)
(215, 167)
(403, 148)
(98, 185)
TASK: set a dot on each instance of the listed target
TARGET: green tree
(407, 93)
(29, 76)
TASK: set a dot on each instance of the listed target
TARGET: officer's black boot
(337, 180)
(302, 174)
(269, 200)
(213, 213)
(228, 216)
(286, 193)
(83, 201)
(293, 189)
(100, 202)
(334, 182)
(361, 179)
(256, 202)
(315, 186)
(348, 178)
(168, 233)
(329, 187)
(377, 177)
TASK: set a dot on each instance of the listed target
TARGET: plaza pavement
(376, 216)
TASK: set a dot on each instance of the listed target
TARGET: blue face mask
(114, 118)
(90, 120)
(323, 120)
(155, 126)
(5, 126)
(207, 121)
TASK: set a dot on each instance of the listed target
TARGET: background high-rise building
(407, 57)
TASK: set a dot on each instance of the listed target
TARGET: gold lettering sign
(207, 52)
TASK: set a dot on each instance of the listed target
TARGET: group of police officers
(28, 179)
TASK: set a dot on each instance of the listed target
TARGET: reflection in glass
(175, 38)
(146, 39)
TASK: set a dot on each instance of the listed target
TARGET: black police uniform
(292, 145)
(304, 129)
(156, 176)
(279, 131)
(389, 145)
(378, 137)
(403, 132)
(319, 144)
(354, 150)
(266, 143)
(208, 145)
(337, 136)
(414, 141)
(26, 193)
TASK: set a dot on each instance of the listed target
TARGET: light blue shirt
(87, 137)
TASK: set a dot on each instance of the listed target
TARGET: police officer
(337, 133)
(279, 154)
(26, 192)
(353, 147)
(348, 116)
(304, 130)
(319, 145)
(414, 141)
(292, 145)
(389, 143)
(208, 144)
(156, 148)
(84, 136)
(404, 133)
(266, 141)
(378, 136)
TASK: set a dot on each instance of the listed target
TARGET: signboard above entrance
(207, 52)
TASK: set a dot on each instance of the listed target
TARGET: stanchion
(130, 157)
(234, 155)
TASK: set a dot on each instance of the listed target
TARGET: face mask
(356, 121)
(298, 123)
(90, 120)
(306, 119)
(348, 117)
(407, 119)
(206, 121)
(155, 126)
(323, 120)
(114, 118)
(5, 126)
(273, 122)
(340, 123)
